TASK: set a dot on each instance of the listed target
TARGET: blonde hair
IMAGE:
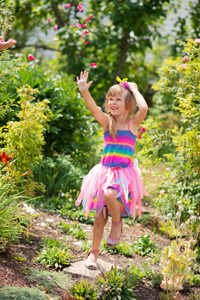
(130, 104)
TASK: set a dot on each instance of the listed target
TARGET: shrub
(73, 229)
(18, 293)
(84, 290)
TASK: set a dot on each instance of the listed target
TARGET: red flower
(142, 129)
(4, 158)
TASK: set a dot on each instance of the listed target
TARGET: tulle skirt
(126, 181)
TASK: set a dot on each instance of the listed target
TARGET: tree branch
(59, 19)
(122, 59)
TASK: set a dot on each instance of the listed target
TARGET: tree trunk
(122, 59)
(59, 20)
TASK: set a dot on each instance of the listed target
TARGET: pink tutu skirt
(126, 181)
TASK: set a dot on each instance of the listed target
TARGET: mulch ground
(11, 270)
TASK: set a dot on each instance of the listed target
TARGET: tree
(119, 30)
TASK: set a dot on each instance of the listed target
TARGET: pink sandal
(112, 242)
(91, 265)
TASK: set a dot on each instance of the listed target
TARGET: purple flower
(183, 66)
(125, 85)
(186, 59)
(48, 277)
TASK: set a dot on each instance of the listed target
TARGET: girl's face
(116, 104)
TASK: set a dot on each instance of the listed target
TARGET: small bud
(169, 216)
(193, 218)
(179, 202)
(191, 212)
(178, 214)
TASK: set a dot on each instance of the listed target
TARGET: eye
(118, 99)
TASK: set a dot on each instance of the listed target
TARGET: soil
(11, 269)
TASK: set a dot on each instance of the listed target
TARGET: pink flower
(64, 6)
(125, 84)
(93, 65)
(55, 27)
(31, 57)
(186, 59)
(197, 40)
(91, 56)
(79, 25)
(87, 20)
(81, 9)
(90, 16)
(48, 20)
(84, 25)
(86, 43)
(72, 25)
(56, 39)
(82, 37)
(162, 192)
(86, 32)
(45, 72)
(80, 5)
(76, 8)
(142, 129)
(183, 66)
(139, 136)
(69, 5)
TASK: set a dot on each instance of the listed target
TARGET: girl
(113, 186)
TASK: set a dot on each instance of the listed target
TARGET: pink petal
(69, 5)
(86, 43)
(84, 25)
(79, 25)
(31, 57)
(82, 37)
(45, 72)
(55, 27)
(48, 20)
(76, 8)
(72, 25)
(67, 22)
(87, 20)
(86, 32)
(90, 16)
(93, 65)
(79, 5)
(91, 56)
(197, 40)
(56, 39)
(2, 41)
(65, 6)
(82, 9)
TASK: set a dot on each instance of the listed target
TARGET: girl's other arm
(83, 86)
(141, 103)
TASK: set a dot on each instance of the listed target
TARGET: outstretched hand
(6, 45)
(133, 86)
(82, 82)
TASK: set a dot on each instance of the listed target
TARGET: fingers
(77, 79)
(5, 45)
(89, 84)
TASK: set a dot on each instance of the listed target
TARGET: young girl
(113, 186)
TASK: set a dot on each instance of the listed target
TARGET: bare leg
(114, 208)
(98, 228)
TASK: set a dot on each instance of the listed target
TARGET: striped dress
(117, 170)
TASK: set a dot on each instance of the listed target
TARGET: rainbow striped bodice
(118, 153)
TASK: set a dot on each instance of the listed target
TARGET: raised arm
(83, 86)
(142, 105)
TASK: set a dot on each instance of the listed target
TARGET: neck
(121, 120)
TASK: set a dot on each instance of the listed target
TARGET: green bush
(73, 229)
(84, 290)
(116, 284)
(18, 293)
(144, 246)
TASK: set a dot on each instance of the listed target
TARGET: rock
(78, 268)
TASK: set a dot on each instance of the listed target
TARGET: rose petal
(69, 5)
(91, 56)
(90, 16)
(64, 6)
(48, 20)
(84, 25)
(31, 57)
(82, 9)
(72, 25)
(55, 27)
(87, 20)
(56, 39)
(86, 32)
(86, 43)
(82, 37)
(76, 8)
(45, 72)
(79, 25)
(93, 65)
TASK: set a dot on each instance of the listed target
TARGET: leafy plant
(116, 284)
(120, 248)
(83, 290)
(55, 254)
(73, 229)
(143, 245)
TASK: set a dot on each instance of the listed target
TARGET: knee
(109, 195)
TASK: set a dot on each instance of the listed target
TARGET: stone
(78, 268)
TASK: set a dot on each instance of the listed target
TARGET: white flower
(42, 224)
(191, 212)
(49, 220)
(62, 194)
(193, 218)
(169, 216)
(179, 202)
(178, 214)
(162, 192)
(181, 208)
